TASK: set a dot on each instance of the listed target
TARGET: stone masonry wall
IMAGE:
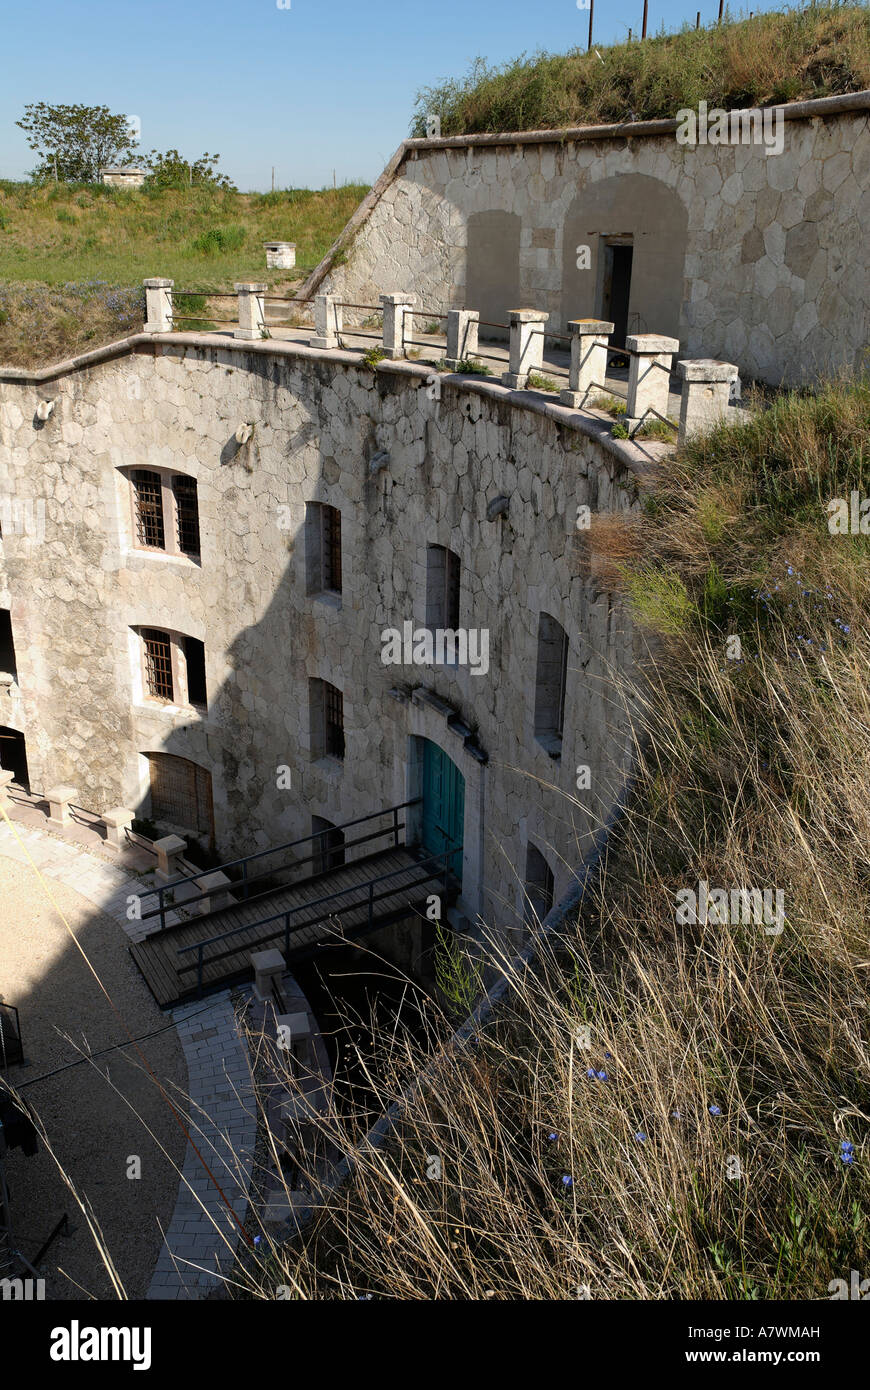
(757, 259)
(318, 419)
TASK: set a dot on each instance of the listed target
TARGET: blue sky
(324, 85)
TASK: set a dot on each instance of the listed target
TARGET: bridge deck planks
(157, 956)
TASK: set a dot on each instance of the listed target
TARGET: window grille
(333, 718)
(331, 549)
(158, 664)
(186, 514)
(148, 504)
(181, 793)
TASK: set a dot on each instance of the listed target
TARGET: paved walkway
(202, 1236)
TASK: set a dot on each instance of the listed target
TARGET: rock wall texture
(756, 258)
(77, 592)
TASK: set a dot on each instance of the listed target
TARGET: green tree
(172, 170)
(75, 142)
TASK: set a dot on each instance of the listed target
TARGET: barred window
(186, 514)
(332, 549)
(322, 548)
(334, 720)
(148, 507)
(158, 664)
(326, 711)
(165, 511)
(181, 793)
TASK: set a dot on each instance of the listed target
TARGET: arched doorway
(181, 793)
(492, 273)
(636, 230)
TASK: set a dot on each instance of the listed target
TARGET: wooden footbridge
(329, 895)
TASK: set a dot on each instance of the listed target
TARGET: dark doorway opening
(13, 756)
(616, 286)
(329, 847)
(7, 645)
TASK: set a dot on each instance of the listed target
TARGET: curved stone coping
(380, 1132)
(640, 458)
(624, 130)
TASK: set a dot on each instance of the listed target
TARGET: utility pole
(591, 17)
(334, 184)
(273, 178)
(645, 9)
(698, 20)
(721, 7)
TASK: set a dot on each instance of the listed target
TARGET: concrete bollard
(398, 320)
(280, 255)
(6, 779)
(526, 346)
(328, 321)
(168, 850)
(705, 395)
(462, 331)
(215, 884)
(268, 966)
(648, 375)
(293, 1031)
(588, 367)
(252, 311)
(59, 799)
(116, 822)
(158, 306)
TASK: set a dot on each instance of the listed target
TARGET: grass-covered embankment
(73, 257)
(714, 1140)
(812, 51)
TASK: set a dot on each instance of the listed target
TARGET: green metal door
(443, 805)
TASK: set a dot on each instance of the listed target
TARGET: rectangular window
(186, 514)
(322, 549)
(148, 508)
(442, 588)
(158, 664)
(552, 670)
(331, 543)
(333, 713)
(194, 656)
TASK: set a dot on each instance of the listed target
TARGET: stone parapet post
(705, 395)
(588, 367)
(252, 311)
(648, 375)
(462, 331)
(328, 321)
(158, 306)
(526, 346)
(398, 321)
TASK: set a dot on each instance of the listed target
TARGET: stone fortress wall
(319, 419)
(757, 258)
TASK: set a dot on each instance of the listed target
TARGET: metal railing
(368, 900)
(247, 881)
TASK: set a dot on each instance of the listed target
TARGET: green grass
(201, 238)
(819, 50)
(537, 382)
(73, 257)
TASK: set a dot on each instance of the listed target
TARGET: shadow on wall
(636, 231)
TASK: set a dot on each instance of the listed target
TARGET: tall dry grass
(720, 1148)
